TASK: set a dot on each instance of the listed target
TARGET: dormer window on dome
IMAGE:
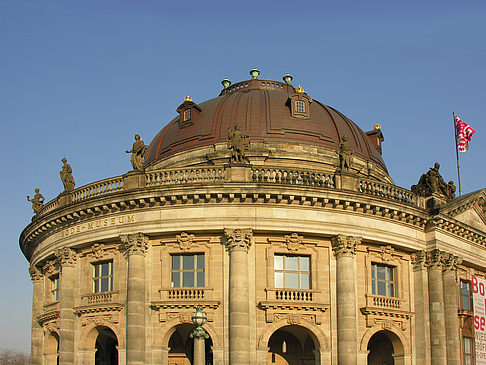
(188, 112)
(299, 104)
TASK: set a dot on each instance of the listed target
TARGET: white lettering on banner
(479, 302)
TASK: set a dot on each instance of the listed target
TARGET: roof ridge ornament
(299, 89)
(187, 98)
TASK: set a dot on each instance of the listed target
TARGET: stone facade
(292, 260)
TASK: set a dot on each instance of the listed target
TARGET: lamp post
(199, 334)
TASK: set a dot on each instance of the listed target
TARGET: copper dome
(261, 108)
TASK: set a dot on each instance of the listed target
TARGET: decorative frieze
(345, 245)
(238, 239)
(135, 244)
(66, 257)
(51, 267)
(98, 251)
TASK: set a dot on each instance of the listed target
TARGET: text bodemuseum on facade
(258, 227)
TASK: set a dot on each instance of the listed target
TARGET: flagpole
(457, 154)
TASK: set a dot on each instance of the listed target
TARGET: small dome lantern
(254, 73)
(287, 78)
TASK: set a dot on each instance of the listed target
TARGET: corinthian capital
(344, 245)
(238, 239)
(418, 260)
(35, 273)
(66, 257)
(434, 259)
(135, 244)
(450, 262)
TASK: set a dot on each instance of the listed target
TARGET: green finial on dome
(254, 73)
(287, 78)
(226, 83)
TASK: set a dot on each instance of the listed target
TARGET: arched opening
(51, 349)
(106, 347)
(181, 346)
(292, 345)
(380, 348)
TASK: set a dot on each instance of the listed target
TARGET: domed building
(271, 219)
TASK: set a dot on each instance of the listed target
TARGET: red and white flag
(464, 133)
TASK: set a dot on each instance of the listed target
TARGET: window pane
(96, 271)
(200, 261)
(176, 283)
(304, 263)
(381, 288)
(96, 287)
(389, 273)
(292, 280)
(278, 262)
(188, 278)
(373, 287)
(380, 272)
(391, 290)
(104, 284)
(188, 262)
(291, 263)
(279, 280)
(104, 269)
(176, 263)
(304, 281)
(200, 279)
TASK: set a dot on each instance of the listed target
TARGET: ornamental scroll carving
(35, 274)
(238, 239)
(294, 241)
(50, 268)
(66, 257)
(185, 241)
(135, 244)
(345, 245)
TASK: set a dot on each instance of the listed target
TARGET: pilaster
(67, 260)
(450, 263)
(238, 242)
(136, 246)
(37, 333)
(436, 308)
(344, 248)
(421, 318)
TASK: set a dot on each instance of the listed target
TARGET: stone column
(37, 333)
(344, 248)
(238, 242)
(436, 309)
(136, 246)
(450, 263)
(67, 260)
(421, 301)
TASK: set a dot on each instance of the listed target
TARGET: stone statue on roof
(432, 183)
(67, 176)
(37, 201)
(238, 143)
(345, 154)
(138, 153)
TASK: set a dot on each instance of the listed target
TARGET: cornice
(459, 229)
(148, 198)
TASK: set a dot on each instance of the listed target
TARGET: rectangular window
(55, 287)
(466, 295)
(187, 115)
(188, 271)
(299, 107)
(382, 280)
(468, 350)
(292, 272)
(103, 277)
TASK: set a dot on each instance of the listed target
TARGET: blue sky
(79, 78)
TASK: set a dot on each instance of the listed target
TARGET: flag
(464, 133)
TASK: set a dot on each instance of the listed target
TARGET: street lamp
(199, 318)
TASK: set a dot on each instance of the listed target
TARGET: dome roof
(263, 110)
